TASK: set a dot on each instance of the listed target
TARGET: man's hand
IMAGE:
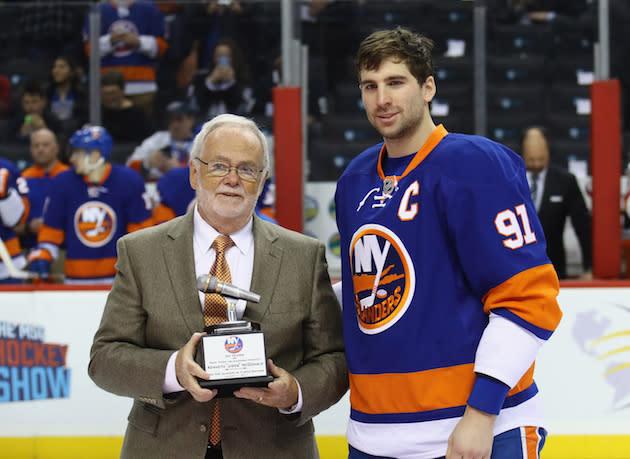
(122, 37)
(187, 370)
(281, 393)
(162, 161)
(473, 436)
(221, 74)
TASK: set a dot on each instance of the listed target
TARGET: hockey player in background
(13, 210)
(46, 165)
(165, 150)
(447, 289)
(89, 208)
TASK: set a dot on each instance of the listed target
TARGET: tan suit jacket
(154, 308)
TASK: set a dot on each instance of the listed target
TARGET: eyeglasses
(221, 169)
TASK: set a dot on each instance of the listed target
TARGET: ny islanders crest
(95, 223)
(383, 278)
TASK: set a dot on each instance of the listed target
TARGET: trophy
(233, 352)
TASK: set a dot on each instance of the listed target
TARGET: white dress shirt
(240, 257)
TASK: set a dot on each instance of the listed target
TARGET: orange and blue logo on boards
(383, 277)
(233, 344)
(95, 223)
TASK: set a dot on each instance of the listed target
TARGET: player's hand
(41, 268)
(162, 161)
(473, 436)
(281, 393)
(187, 370)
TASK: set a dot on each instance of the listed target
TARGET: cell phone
(225, 61)
(28, 119)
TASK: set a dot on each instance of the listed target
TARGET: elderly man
(146, 344)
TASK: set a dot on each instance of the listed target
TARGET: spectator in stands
(66, 95)
(89, 208)
(125, 121)
(556, 195)
(46, 165)
(203, 25)
(226, 87)
(132, 39)
(34, 113)
(167, 149)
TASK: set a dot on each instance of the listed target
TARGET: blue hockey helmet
(93, 138)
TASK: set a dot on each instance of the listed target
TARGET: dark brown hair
(112, 77)
(400, 44)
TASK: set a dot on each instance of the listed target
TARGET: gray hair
(229, 120)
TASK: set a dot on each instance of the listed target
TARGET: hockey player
(12, 210)
(44, 151)
(447, 290)
(89, 208)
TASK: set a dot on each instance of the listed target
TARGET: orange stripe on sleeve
(526, 380)
(531, 295)
(136, 165)
(13, 246)
(90, 268)
(131, 227)
(27, 210)
(412, 392)
(49, 234)
(162, 45)
(162, 214)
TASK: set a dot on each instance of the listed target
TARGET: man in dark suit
(145, 347)
(556, 195)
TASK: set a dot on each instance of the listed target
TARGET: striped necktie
(215, 311)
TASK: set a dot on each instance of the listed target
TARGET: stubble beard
(407, 127)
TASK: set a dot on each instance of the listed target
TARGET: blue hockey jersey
(38, 181)
(145, 19)
(90, 218)
(427, 254)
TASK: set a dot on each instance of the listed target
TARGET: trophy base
(226, 387)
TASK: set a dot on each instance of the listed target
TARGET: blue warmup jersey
(426, 256)
(90, 218)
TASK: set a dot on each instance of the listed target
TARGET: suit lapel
(267, 261)
(180, 263)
